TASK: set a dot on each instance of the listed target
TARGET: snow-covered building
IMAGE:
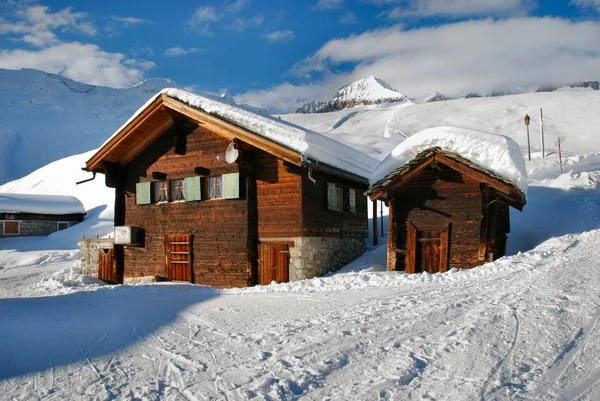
(449, 192)
(27, 214)
(216, 193)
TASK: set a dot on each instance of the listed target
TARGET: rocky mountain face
(366, 91)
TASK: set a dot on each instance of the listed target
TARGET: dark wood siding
(219, 227)
(279, 197)
(318, 221)
(432, 199)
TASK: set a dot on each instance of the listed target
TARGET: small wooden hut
(445, 211)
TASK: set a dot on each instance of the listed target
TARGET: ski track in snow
(517, 328)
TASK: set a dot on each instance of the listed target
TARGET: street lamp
(527, 120)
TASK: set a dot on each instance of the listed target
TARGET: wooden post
(483, 237)
(119, 250)
(252, 241)
(375, 238)
(391, 245)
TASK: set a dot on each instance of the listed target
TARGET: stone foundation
(316, 256)
(89, 254)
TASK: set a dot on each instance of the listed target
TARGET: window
(177, 193)
(341, 198)
(161, 191)
(12, 227)
(62, 225)
(215, 185)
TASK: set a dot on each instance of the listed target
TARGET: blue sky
(277, 54)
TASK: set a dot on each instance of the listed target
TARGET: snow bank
(499, 154)
(69, 280)
(306, 142)
(44, 204)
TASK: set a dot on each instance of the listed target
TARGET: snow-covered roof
(495, 153)
(309, 144)
(40, 204)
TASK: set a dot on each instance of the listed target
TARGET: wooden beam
(146, 141)
(483, 232)
(375, 228)
(399, 181)
(411, 248)
(231, 131)
(95, 162)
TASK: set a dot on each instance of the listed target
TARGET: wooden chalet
(213, 193)
(445, 211)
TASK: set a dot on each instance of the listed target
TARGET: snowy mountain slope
(524, 327)
(573, 114)
(367, 91)
(44, 117)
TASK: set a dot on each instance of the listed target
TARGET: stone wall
(34, 227)
(316, 256)
(89, 254)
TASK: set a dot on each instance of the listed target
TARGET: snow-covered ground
(524, 327)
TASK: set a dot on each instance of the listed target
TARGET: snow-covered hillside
(571, 113)
(45, 117)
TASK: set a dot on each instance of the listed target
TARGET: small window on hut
(341, 198)
(177, 190)
(62, 225)
(161, 191)
(12, 227)
(215, 187)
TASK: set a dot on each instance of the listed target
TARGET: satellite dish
(231, 154)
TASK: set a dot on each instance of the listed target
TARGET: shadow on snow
(45, 332)
(552, 212)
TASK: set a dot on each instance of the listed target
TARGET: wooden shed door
(107, 269)
(178, 257)
(428, 250)
(273, 263)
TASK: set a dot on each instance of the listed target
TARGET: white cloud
(241, 24)
(279, 36)
(202, 15)
(348, 18)
(130, 21)
(455, 8)
(181, 51)
(480, 55)
(81, 62)
(329, 4)
(236, 6)
(36, 25)
(585, 4)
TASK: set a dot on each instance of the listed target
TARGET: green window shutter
(192, 189)
(352, 194)
(231, 186)
(142, 193)
(330, 196)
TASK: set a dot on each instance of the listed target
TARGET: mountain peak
(370, 90)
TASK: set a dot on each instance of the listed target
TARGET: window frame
(212, 189)
(58, 223)
(4, 233)
(342, 199)
(179, 189)
(157, 191)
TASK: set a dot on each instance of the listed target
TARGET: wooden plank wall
(430, 200)
(220, 227)
(318, 221)
(279, 197)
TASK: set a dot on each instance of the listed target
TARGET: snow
(45, 117)
(311, 145)
(523, 327)
(498, 154)
(42, 204)
(370, 89)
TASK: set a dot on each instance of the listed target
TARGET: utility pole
(542, 133)
(527, 120)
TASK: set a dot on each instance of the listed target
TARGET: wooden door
(178, 257)
(273, 263)
(427, 250)
(107, 269)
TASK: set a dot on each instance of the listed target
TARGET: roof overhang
(158, 117)
(506, 190)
